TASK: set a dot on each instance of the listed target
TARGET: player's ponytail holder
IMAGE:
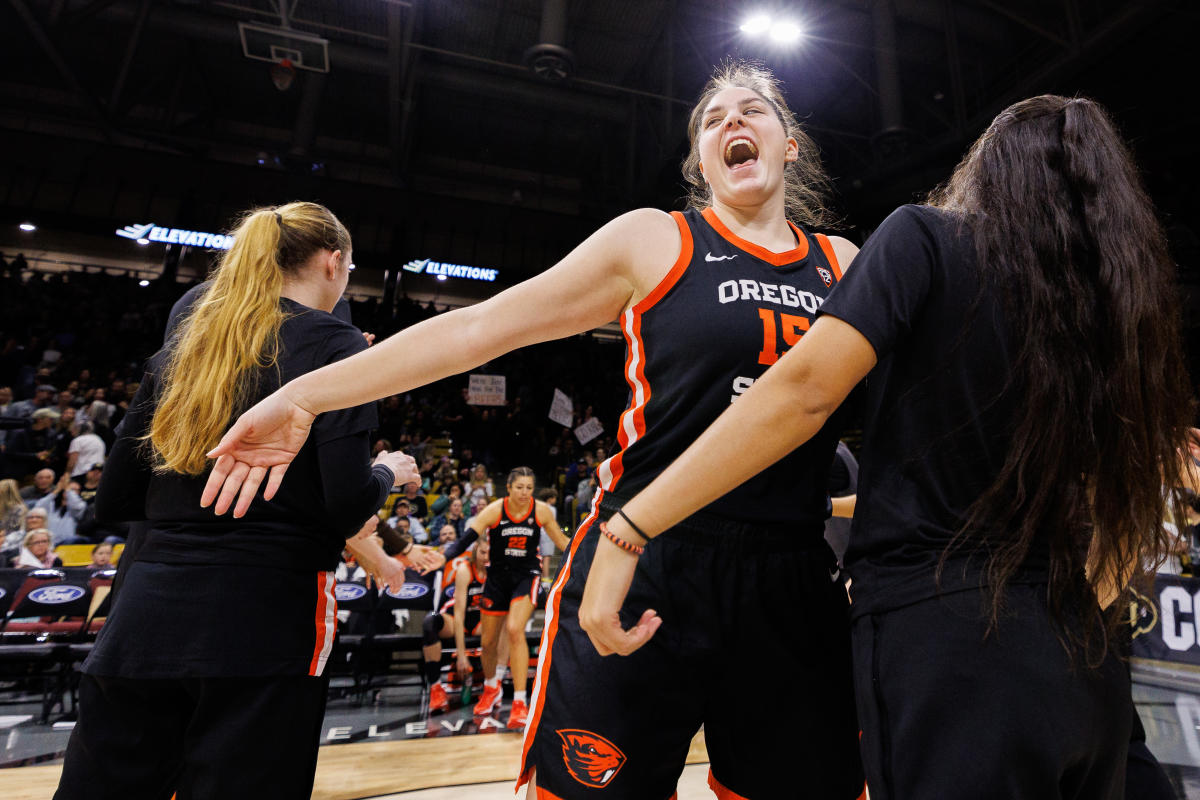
(621, 513)
(628, 547)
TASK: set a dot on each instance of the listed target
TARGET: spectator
(478, 491)
(102, 556)
(417, 506)
(66, 399)
(36, 552)
(402, 512)
(64, 508)
(12, 507)
(447, 535)
(43, 397)
(32, 448)
(85, 450)
(6, 402)
(43, 486)
(12, 520)
(453, 516)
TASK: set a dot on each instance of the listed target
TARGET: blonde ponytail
(232, 332)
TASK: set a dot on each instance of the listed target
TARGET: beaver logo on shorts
(825, 276)
(592, 760)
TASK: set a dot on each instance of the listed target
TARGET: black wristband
(621, 513)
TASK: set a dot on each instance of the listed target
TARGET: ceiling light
(759, 23)
(143, 282)
(785, 32)
(441, 277)
(143, 241)
(28, 226)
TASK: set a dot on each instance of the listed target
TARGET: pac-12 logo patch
(592, 760)
(826, 276)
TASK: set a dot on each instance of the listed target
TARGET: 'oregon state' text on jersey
(726, 311)
(514, 542)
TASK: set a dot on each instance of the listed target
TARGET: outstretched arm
(613, 268)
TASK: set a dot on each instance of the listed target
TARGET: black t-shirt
(329, 489)
(940, 405)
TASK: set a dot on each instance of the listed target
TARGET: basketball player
(458, 617)
(191, 687)
(1026, 400)
(707, 300)
(513, 526)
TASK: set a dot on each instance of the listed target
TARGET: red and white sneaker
(437, 698)
(488, 700)
(518, 715)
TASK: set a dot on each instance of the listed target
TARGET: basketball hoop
(282, 74)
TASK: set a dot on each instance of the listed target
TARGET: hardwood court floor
(374, 769)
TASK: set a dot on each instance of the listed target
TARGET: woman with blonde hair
(208, 679)
(12, 515)
(36, 552)
(707, 299)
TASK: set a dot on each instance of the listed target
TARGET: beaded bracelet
(629, 547)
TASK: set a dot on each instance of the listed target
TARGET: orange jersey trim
(774, 259)
(632, 424)
(516, 521)
(827, 249)
(326, 622)
(547, 645)
(493, 613)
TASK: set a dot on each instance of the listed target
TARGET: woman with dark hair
(512, 525)
(208, 679)
(706, 299)
(1026, 399)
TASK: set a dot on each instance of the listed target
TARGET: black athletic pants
(202, 738)
(947, 712)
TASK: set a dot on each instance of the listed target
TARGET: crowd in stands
(73, 345)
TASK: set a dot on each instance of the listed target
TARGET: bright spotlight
(143, 241)
(143, 282)
(759, 23)
(441, 277)
(785, 32)
(28, 226)
(351, 267)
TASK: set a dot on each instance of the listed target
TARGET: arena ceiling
(432, 112)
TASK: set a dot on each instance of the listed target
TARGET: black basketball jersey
(726, 311)
(514, 543)
(474, 588)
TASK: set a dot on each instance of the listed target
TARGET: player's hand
(404, 467)
(425, 559)
(608, 583)
(464, 667)
(261, 444)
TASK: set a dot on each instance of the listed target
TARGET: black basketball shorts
(948, 711)
(505, 584)
(735, 600)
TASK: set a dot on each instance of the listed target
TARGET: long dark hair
(1064, 231)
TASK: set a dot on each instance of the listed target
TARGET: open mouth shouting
(740, 153)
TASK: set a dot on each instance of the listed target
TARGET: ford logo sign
(57, 595)
(409, 591)
(448, 592)
(348, 591)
